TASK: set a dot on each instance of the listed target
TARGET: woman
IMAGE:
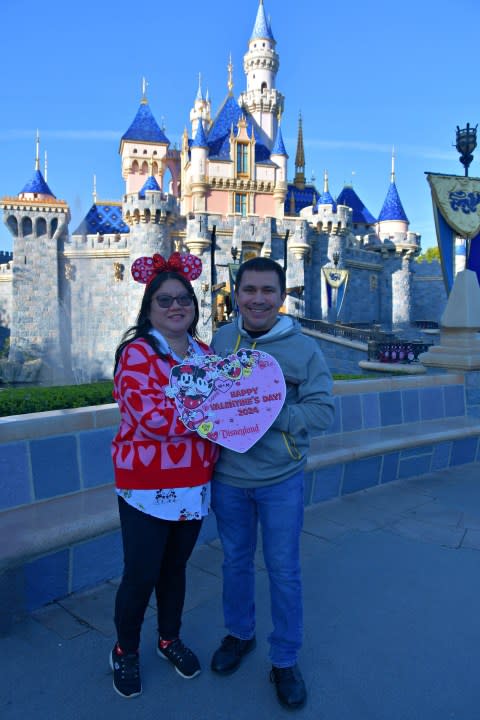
(162, 469)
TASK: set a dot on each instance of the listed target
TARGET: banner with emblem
(456, 209)
(336, 280)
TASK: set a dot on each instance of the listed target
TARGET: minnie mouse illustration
(230, 367)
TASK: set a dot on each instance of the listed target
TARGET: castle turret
(144, 149)
(201, 110)
(38, 222)
(280, 158)
(198, 154)
(261, 99)
(393, 222)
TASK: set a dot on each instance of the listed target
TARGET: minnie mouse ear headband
(145, 269)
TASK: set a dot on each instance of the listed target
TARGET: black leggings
(155, 554)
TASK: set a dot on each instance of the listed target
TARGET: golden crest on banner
(458, 200)
(335, 277)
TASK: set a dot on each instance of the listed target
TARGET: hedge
(18, 401)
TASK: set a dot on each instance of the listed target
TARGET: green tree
(430, 254)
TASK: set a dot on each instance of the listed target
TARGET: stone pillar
(459, 347)
(402, 295)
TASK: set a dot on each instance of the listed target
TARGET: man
(265, 483)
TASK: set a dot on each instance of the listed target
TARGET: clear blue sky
(366, 76)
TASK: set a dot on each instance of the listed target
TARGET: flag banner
(336, 279)
(458, 200)
(456, 211)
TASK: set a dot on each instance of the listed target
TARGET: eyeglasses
(166, 301)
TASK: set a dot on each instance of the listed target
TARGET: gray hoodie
(308, 408)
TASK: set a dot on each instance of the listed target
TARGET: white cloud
(89, 135)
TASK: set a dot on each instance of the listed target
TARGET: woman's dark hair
(142, 326)
(261, 264)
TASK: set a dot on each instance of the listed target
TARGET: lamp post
(466, 142)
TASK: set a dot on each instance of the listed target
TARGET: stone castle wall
(98, 300)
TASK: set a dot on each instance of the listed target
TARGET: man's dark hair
(262, 264)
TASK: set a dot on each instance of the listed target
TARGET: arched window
(53, 227)
(264, 87)
(144, 168)
(12, 224)
(40, 227)
(135, 167)
(26, 226)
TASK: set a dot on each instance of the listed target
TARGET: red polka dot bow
(144, 269)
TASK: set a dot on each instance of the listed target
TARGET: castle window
(242, 159)
(26, 226)
(41, 227)
(12, 224)
(134, 151)
(241, 203)
(264, 87)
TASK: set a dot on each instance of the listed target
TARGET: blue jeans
(279, 508)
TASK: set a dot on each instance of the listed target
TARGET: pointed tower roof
(360, 214)
(326, 198)
(392, 208)
(199, 95)
(37, 185)
(145, 128)
(150, 184)
(200, 139)
(300, 154)
(262, 29)
(299, 179)
(279, 146)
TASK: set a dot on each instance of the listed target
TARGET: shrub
(17, 401)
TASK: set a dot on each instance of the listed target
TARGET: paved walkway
(392, 624)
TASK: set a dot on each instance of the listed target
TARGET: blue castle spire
(145, 128)
(150, 184)
(200, 139)
(278, 145)
(262, 29)
(392, 208)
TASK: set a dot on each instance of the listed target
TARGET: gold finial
(230, 75)
(392, 177)
(94, 193)
(37, 151)
(45, 175)
(144, 100)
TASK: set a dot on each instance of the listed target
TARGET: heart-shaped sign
(231, 401)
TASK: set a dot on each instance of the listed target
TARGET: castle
(68, 297)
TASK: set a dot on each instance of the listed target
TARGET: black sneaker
(126, 673)
(291, 691)
(182, 658)
(229, 655)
